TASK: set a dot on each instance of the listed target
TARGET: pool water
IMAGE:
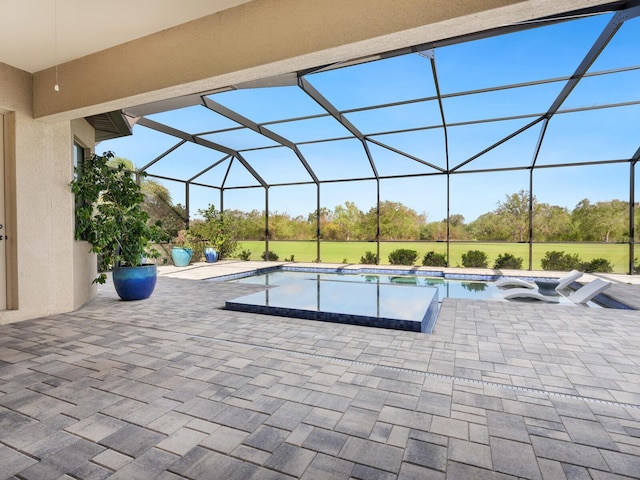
(447, 288)
(359, 303)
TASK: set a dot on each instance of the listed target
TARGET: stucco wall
(42, 254)
(84, 263)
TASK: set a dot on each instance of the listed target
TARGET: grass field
(350, 252)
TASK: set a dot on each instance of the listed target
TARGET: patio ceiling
(28, 28)
(410, 113)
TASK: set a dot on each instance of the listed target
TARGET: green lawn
(350, 252)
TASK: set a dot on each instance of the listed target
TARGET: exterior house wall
(43, 261)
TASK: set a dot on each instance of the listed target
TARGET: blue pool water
(470, 289)
(359, 303)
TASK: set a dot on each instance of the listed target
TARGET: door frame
(3, 229)
(10, 210)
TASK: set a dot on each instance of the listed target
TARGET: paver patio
(175, 387)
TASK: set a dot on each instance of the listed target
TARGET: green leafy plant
(245, 255)
(109, 214)
(433, 259)
(267, 255)
(403, 256)
(554, 260)
(600, 265)
(507, 260)
(369, 258)
(475, 259)
(290, 259)
(215, 230)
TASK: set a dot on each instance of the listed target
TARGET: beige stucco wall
(42, 257)
(84, 263)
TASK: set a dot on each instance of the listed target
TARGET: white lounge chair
(588, 291)
(563, 282)
(529, 293)
(580, 296)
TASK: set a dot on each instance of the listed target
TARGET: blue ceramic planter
(210, 254)
(135, 283)
(181, 256)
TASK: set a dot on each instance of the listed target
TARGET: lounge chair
(529, 293)
(580, 296)
(563, 282)
(588, 291)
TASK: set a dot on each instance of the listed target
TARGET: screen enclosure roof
(549, 93)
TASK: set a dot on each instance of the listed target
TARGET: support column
(531, 219)
(318, 223)
(448, 213)
(632, 217)
(186, 205)
(378, 221)
(266, 223)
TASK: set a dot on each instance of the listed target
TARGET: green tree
(159, 206)
(553, 223)
(397, 222)
(513, 213)
(326, 217)
(348, 219)
(601, 221)
(489, 226)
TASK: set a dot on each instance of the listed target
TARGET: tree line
(606, 221)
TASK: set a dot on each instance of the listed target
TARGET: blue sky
(536, 54)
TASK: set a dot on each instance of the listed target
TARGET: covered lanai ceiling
(501, 100)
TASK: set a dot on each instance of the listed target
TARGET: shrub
(290, 259)
(554, 260)
(245, 255)
(600, 265)
(267, 255)
(403, 256)
(433, 259)
(344, 260)
(369, 258)
(475, 259)
(198, 251)
(508, 260)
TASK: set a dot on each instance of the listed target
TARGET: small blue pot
(135, 283)
(210, 254)
(181, 256)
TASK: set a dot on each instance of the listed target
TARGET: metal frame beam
(244, 121)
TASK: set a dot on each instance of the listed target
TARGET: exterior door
(3, 230)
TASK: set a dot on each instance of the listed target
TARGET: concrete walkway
(175, 387)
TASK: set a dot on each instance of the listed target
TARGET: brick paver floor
(175, 387)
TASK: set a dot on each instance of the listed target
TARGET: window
(78, 156)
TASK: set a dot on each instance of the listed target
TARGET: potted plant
(205, 232)
(110, 217)
(215, 230)
(182, 251)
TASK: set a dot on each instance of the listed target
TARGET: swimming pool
(390, 300)
(447, 288)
